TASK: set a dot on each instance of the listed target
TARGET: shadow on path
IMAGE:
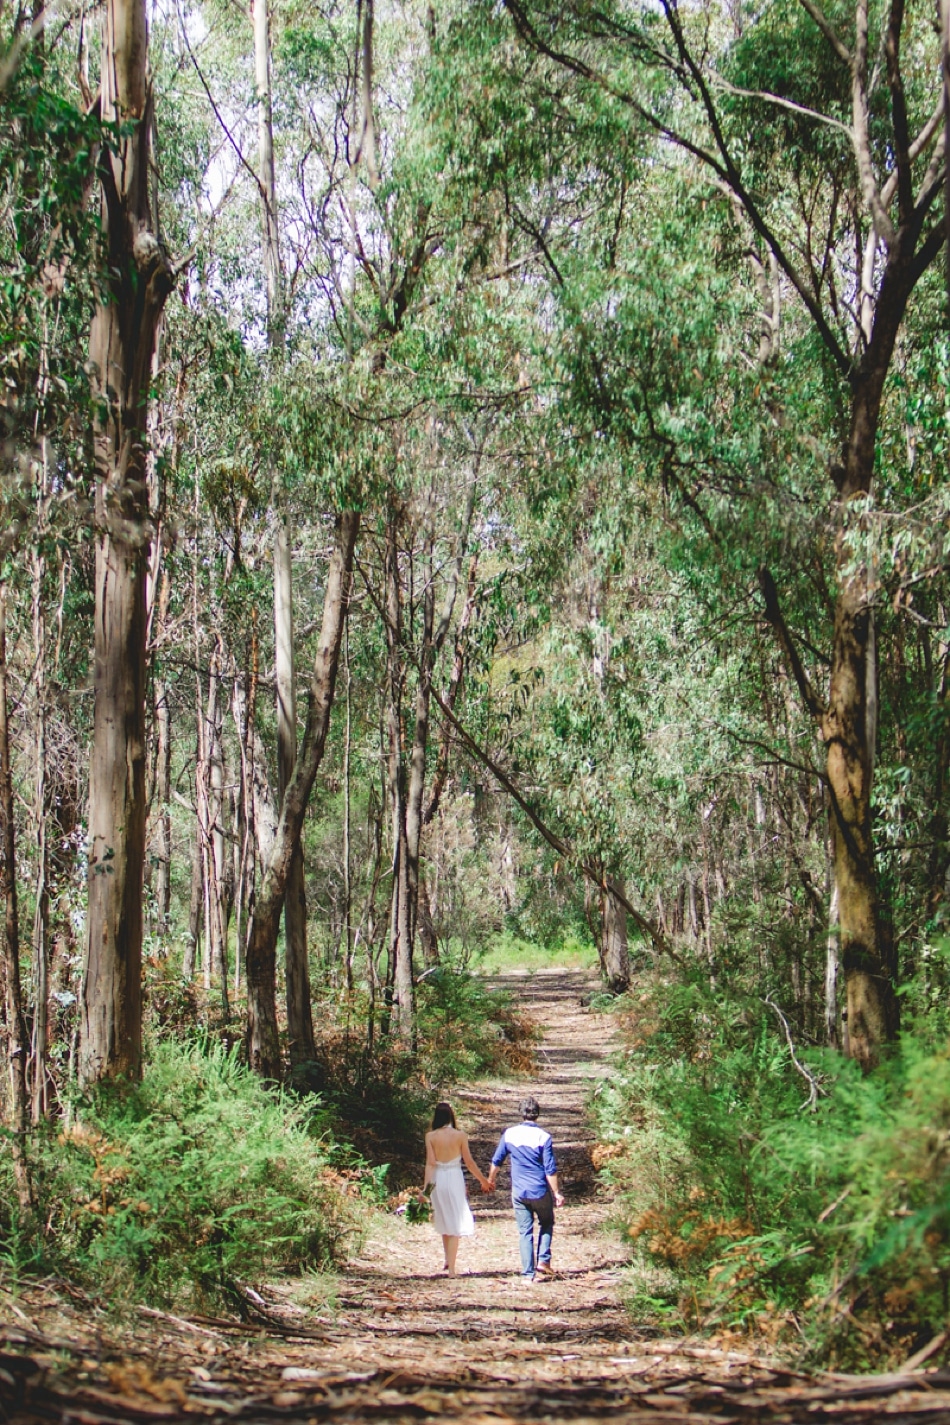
(406, 1344)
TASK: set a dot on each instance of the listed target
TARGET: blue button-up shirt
(532, 1159)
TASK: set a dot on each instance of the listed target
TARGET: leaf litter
(403, 1343)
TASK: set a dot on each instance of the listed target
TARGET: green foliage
(469, 1029)
(379, 1094)
(509, 951)
(765, 1216)
(183, 1187)
(371, 1090)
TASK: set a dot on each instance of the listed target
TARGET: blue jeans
(525, 1214)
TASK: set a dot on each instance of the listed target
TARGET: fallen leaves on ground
(400, 1342)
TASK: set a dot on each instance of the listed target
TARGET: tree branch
(781, 103)
(723, 166)
(451, 592)
(862, 137)
(220, 118)
(927, 252)
(774, 615)
(892, 49)
(814, 1087)
(593, 873)
(828, 30)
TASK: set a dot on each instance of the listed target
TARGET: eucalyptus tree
(134, 279)
(848, 229)
(424, 557)
(383, 248)
(121, 349)
(297, 975)
(47, 147)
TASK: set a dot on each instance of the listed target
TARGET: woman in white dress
(446, 1150)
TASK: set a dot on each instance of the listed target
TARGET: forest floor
(400, 1342)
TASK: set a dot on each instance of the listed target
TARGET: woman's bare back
(446, 1143)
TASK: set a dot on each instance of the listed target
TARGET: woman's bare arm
(472, 1166)
(430, 1161)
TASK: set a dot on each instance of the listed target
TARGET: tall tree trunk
(849, 735)
(263, 1043)
(296, 969)
(296, 966)
(425, 926)
(41, 948)
(614, 954)
(267, 178)
(938, 860)
(190, 957)
(831, 973)
(451, 697)
(849, 723)
(17, 1041)
(122, 341)
(407, 881)
(218, 887)
(263, 813)
(244, 711)
(347, 816)
(206, 715)
(400, 935)
(163, 780)
(707, 905)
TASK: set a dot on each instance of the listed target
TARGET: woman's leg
(445, 1249)
(451, 1252)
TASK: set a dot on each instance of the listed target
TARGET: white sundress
(451, 1214)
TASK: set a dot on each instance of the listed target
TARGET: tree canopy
(469, 474)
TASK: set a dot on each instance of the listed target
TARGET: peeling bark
(122, 344)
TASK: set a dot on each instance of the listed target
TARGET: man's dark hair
(530, 1109)
(443, 1115)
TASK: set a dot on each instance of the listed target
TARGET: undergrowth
(511, 952)
(822, 1225)
(183, 1188)
(197, 1182)
(379, 1093)
(376, 1089)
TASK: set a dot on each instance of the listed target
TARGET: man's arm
(498, 1157)
(549, 1163)
(552, 1184)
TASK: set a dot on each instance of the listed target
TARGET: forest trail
(406, 1344)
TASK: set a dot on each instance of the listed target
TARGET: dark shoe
(544, 1269)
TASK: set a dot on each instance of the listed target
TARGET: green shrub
(829, 1227)
(184, 1186)
(380, 1095)
(468, 1029)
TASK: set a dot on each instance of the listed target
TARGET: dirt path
(406, 1344)
(489, 1313)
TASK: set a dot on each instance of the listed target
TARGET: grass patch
(508, 953)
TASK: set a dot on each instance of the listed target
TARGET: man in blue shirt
(534, 1189)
